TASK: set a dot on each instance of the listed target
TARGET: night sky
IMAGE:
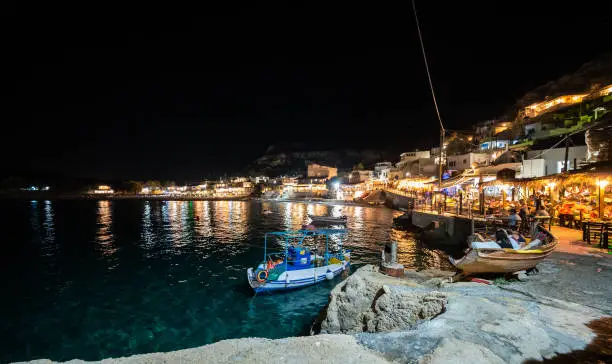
(179, 92)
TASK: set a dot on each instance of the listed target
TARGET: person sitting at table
(513, 219)
(523, 209)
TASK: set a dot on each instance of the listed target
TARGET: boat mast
(433, 95)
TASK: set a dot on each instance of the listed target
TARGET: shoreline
(87, 197)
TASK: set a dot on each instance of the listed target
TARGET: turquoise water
(98, 279)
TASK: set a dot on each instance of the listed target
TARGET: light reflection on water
(129, 277)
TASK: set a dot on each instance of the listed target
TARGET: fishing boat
(300, 264)
(338, 220)
(490, 254)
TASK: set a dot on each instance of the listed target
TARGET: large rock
(370, 301)
(512, 327)
(453, 350)
(396, 309)
(340, 349)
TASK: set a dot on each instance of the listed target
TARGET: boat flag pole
(433, 95)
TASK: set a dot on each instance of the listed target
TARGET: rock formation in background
(598, 141)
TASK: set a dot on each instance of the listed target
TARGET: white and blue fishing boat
(300, 264)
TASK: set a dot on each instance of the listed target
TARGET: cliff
(589, 77)
(293, 159)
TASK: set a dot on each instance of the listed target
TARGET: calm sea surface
(98, 279)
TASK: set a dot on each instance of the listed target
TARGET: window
(465, 161)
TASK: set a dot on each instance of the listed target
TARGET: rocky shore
(560, 314)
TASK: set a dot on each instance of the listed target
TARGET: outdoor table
(567, 220)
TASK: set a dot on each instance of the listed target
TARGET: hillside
(590, 76)
(293, 159)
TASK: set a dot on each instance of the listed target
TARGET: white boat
(340, 220)
(297, 266)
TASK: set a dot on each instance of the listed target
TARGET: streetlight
(603, 183)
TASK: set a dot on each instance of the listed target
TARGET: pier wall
(448, 229)
(397, 201)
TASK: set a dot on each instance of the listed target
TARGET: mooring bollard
(389, 265)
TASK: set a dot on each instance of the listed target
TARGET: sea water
(98, 279)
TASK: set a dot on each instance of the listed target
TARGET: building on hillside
(495, 144)
(554, 159)
(408, 157)
(490, 128)
(319, 171)
(349, 192)
(466, 161)
(601, 92)
(289, 180)
(103, 190)
(302, 190)
(260, 179)
(545, 106)
(382, 170)
(360, 176)
(233, 189)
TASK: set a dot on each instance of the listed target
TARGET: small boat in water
(494, 255)
(338, 220)
(299, 265)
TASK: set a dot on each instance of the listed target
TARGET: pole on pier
(389, 264)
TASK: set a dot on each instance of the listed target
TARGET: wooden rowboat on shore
(503, 260)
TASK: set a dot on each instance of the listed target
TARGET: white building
(382, 170)
(407, 158)
(319, 171)
(555, 158)
(494, 144)
(360, 176)
(466, 161)
(531, 168)
(260, 179)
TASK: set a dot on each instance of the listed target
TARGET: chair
(605, 242)
(593, 232)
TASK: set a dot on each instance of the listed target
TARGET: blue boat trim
(298, 260)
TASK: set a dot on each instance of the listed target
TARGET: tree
(168, 184)
(153, 184)
(135, 186)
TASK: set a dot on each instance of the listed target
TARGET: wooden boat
(297, 265)
(340, 220)
(505, 260)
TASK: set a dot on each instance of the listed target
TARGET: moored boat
(299, 265)
(486, 255)
(340, 220)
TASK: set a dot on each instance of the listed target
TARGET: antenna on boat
(433, 95)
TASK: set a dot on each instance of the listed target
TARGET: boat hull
(502, 261)
(328, 220)
(296, 279)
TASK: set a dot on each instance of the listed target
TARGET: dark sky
(177, 92)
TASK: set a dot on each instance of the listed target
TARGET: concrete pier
(447, 229)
